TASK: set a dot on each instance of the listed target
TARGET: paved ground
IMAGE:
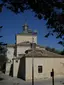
(7, 80)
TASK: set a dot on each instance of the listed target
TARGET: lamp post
(32, 60)
(33, 48)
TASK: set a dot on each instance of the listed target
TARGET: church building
(26, 53)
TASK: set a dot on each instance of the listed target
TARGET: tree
(50, 10)
(3, 50)
(52, 50)
(62, 52)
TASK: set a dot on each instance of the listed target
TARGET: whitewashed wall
(22, 49)
(48, 63)
(15, 67)
(8, 67)
(10, 52)
(23, 38)
(10, 55)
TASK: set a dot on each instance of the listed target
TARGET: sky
(12, 24)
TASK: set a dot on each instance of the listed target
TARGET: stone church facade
(25, 49)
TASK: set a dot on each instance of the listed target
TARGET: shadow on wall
(21, 70)
(11, 70)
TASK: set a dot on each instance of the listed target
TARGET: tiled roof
(41, 53)
(27, 43)
(38, 52)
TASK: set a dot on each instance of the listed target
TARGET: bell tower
(26, 35)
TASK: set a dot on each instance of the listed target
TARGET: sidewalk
(8, 80)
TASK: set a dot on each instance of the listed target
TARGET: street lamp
(33, 48)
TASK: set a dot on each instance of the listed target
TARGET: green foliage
(62, 52)
(47, 35)
(3, 51)
(61, 42)
(52, 50)
(1, 6)
(1, 26)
